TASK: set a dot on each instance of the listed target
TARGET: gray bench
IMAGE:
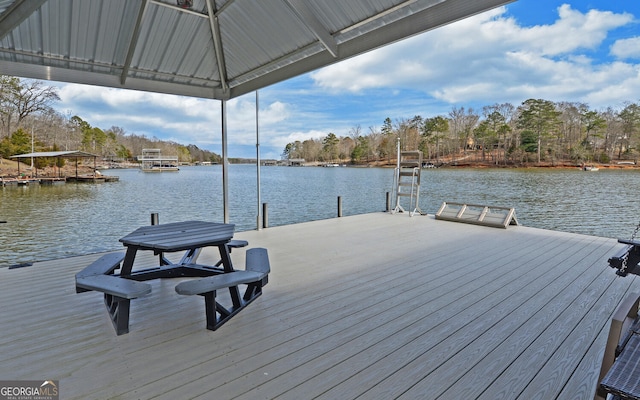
(103, 265)
(234, 244)
(255, 276)
(118, 292)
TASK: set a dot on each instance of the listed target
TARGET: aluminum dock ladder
(407, 181)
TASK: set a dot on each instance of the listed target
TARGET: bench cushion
(103, 265)
(114, 285)
(215, 282)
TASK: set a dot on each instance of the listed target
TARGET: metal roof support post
(225, 165)
(259, 216)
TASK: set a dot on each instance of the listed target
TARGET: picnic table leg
(212, 309)
(191, 256)
(225, 257)
(118, 309)
(127, 263)
(228, 267)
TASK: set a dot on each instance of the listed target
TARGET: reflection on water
(47, 222)
(599, 203)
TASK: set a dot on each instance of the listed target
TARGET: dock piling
(265, 215)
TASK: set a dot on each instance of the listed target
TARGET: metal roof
(204, 48)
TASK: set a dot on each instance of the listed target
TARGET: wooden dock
(18, 181)
(93, 178)
(374, 306)
(54, 181)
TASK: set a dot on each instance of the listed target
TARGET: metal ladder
(407, 181)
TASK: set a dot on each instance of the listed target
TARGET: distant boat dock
(56, 181)
(152, 160)
(26, 179)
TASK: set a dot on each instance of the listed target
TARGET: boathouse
(75, 155)
(152, 160)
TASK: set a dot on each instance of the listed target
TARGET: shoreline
(540, 166)
(9, 168)
(489, 165)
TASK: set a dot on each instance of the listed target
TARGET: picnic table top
(179, 236)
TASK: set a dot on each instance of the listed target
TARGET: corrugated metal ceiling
(212, 48)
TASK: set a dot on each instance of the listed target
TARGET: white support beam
(217, 45)
(179, 9)
(306, 15)
(133, 43)
(225, 164)
(19, 11)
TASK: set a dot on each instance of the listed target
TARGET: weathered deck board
(370, 306)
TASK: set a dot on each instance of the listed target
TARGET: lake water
(49, 222)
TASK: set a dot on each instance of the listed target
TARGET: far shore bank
(489, 165)
(543, 165)
(10, 169)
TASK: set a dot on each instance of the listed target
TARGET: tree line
(29, 122)
(536, 131)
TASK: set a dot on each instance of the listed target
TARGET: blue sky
(577, 51)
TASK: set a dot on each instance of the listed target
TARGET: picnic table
(189, 237)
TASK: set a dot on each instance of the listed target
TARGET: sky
(584, 51)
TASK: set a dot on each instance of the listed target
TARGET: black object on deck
(626, 260)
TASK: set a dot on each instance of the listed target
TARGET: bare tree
(462, 124)
(500, 120)
(9, 89)
(33, 97)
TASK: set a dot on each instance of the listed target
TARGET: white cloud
(572, 31)
(282, 141)
(181, 119)
(626, 48)
(489, 57)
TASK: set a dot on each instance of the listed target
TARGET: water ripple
(48, 222)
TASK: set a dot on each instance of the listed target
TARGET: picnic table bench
(118, 292)
(255, 276)
(190, 237)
